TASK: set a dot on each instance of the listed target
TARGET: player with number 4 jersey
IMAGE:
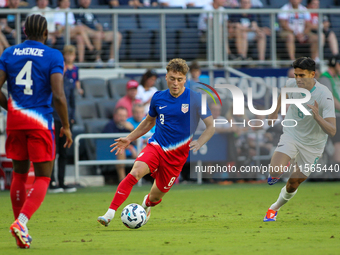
(34, 74)
(306, 141)
(176, 113)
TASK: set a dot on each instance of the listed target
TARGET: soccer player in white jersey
(306, 141)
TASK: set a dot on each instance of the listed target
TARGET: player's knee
(292, 186)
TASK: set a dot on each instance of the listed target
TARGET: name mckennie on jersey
(29, 51)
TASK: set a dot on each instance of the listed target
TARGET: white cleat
(102, 220)
(147, 209)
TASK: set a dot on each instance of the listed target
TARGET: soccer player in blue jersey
(176, 112)
(34, 74)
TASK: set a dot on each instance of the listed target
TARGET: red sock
(148, 203)
(18, 192)
(123, 191)
(35, 196)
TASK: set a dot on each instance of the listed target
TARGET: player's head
(138, 112)
(36, 28)
(149, 78)
(334, 62)
(42, 4)
(69, 53)
(195, 70)
(304, 72)
(120, 115)
(177, 70)
(84, 3)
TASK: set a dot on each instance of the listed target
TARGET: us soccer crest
(185, 108)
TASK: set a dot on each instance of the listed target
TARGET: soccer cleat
(102, 220)
(270, 216)
(21, 235)
(147, 209)
(273, 180)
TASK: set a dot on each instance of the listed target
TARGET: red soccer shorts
(164, 173)
(34, 144)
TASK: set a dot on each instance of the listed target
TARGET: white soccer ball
(133, 216)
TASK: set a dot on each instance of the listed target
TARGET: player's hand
(68, 134)
(120, 144)
(315, 109)
(194, 146)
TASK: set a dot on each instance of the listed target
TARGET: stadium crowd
(93, 34)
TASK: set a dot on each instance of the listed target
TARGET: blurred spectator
(327, 33)
(297, 26)
(246, 29)
(70, 81)
(8, 21)
(174, 3)
(290, 73)
(95, 31)
(134, 3)
(331, 79)
(77, 32)
(198, 3)
(120, 125)
(146, 89)
(196, 76)
(3, 3)
(138, 116)
(54, 38)
(203, 22)
(3, 43)
(129, 99)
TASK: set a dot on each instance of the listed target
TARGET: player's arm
(328, 125)
(205, 136)
(3, 99)
(144, 127)
(60, 104)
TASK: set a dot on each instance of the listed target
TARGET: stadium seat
(105, 108)
(171, 45)
(95, 88)
(188, 44)
(192, 19)
(127, 22)
(150, 21)
(140, 44)
(93, 126)
(175, 22)
(117, 87)
(85, 109)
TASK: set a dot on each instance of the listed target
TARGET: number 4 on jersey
(27, 82)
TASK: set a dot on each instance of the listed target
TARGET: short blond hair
(178, 65)
(69, 49)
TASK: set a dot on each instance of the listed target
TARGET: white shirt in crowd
(296, 20)
(60, 18)
(145, 95)
(203, 18)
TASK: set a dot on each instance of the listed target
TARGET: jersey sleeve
(283, 15)
(327, 104)
(152, 109)
(57, 63)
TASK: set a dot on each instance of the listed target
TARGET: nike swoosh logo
(280, 145)
(167, 187)
(161, 107)
(120, 193)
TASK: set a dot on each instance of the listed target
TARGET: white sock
(110, 214)
(284, 197)
(23, 219)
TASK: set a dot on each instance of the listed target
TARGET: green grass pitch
(192, 219)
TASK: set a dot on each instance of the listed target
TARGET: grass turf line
(192, 219)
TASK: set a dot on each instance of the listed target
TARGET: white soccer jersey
(308, 132)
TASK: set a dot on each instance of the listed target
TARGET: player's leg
(287, 193)
(124, 188)
(278, 166)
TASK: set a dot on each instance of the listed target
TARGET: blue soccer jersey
(177, 120)
(29, 67)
